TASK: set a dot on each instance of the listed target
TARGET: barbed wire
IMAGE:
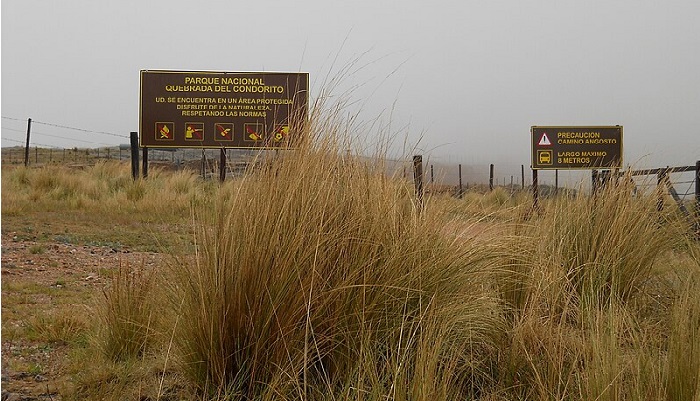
(12, 129)
(690, 189)
(125, 136)
(68, 127)
(60, 137)
(40, 144)
(81, 129)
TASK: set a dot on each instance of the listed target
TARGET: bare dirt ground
(40, 281)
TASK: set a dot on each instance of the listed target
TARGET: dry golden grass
(318, 277)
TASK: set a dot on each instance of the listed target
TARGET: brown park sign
(197, 109)
(595, 147)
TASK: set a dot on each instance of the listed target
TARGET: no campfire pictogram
(165, 131)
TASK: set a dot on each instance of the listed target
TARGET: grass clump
(316, 276)
(62, 326)
(607, 245)
(683, 363)
(103, 204)
(582, 286)
(126, 314)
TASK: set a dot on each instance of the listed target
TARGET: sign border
(533, 147)
(181, 146)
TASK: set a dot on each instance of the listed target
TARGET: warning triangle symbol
(544, 141)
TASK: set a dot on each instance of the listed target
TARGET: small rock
(16, 397)
(7, 396)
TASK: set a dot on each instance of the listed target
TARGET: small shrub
(37, 249)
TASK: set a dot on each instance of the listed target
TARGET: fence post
(605, 178)
(491, 177)
(459, 194)
(661, 176)
(26, 148)
(418, 178)
(522, 175)
(134, 155)
(535, 189)
(697, 199)
(512, 189)
(204, 164)
(222, 165)
(145, 162)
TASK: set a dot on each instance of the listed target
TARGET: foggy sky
(467, 78)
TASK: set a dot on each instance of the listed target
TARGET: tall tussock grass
(578, 286)
(126, 314)
(316, 275)
(683, 361)
(602, 248)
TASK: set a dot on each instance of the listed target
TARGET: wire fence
(436, 174)
(56, 128)
(39, 155)
(685, 188)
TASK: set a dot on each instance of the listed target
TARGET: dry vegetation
(316, 277)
